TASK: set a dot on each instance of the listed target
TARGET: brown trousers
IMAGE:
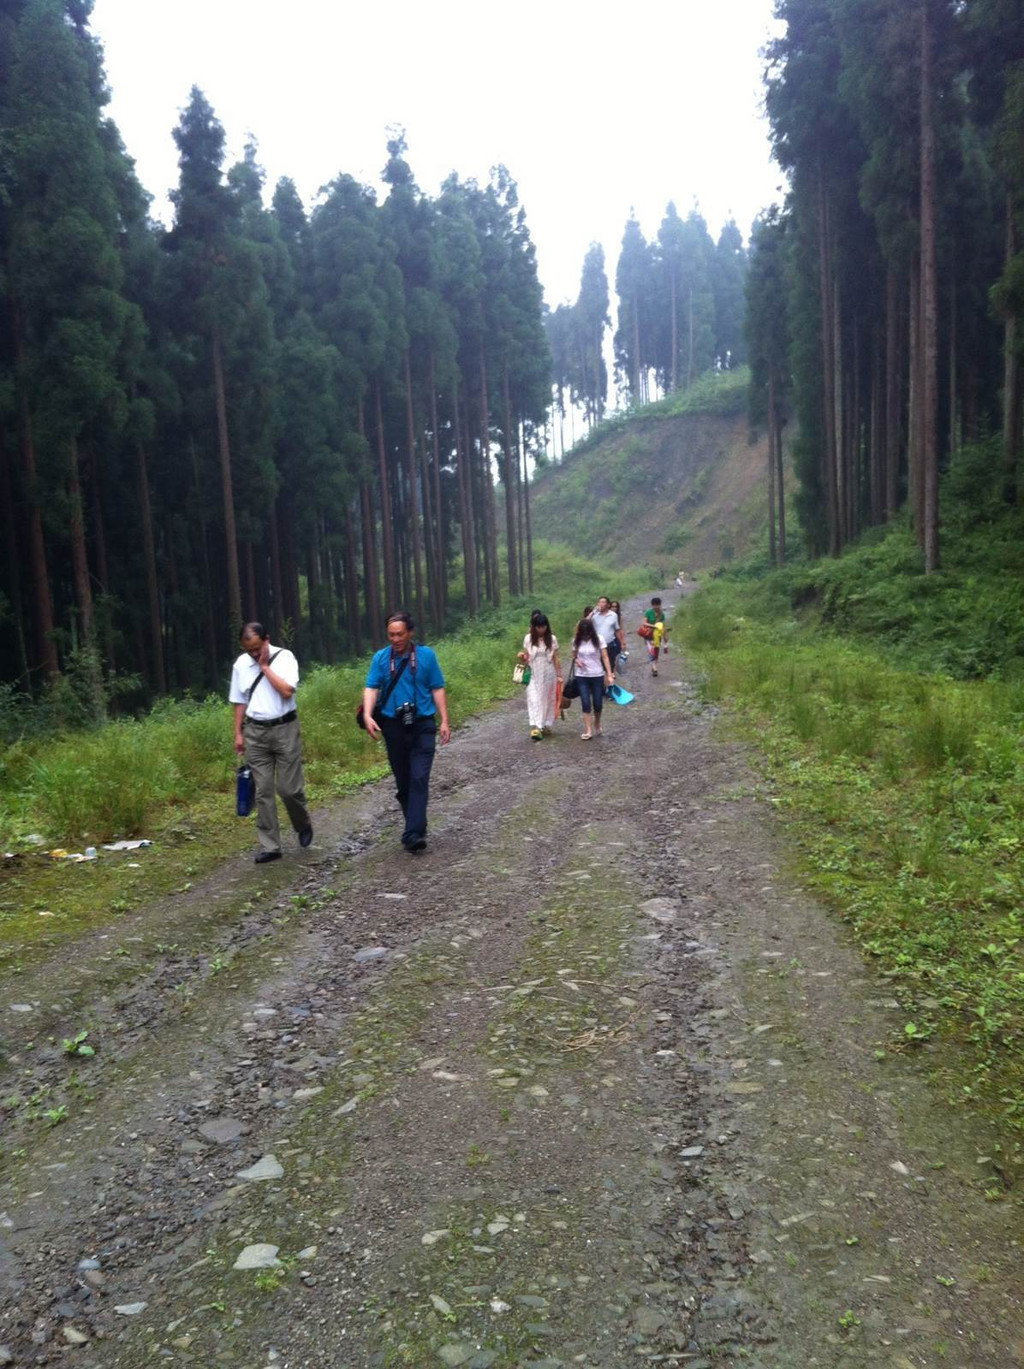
(275, 755)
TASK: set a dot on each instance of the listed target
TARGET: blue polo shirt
(415, 686)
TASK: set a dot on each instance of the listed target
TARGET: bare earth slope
(588, 1083)
(667, 492)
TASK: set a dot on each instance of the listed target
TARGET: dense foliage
(885, 298)
(260, 412)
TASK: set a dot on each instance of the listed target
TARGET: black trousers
(411, 755)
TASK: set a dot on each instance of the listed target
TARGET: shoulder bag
(378, 710)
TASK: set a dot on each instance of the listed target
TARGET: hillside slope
(677, 484)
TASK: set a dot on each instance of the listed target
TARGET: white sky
(593, 107)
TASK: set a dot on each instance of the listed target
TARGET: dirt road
(590, 1082)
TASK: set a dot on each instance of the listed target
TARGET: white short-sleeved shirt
(265, 703)
(607, 625)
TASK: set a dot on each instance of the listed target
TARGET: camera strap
(396, 675)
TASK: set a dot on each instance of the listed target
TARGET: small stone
(5, 1355)
(264, 1012)
(21, 1007)
(370, 953)
(691, 1152)
(308, 1254)
(662, 910)
(259, 1256)
(440, 1305)
(498, 1306)
(222, 1130)
(88, 1264)
(300, 1094)
(131, 1309)
(509, 1082)
(454, 1354)
(537, 1091)
(432, 1237)
(75, 1337)
(484, 1359)
(745, 1086)
(496, 1228)
(350, 1106)
(267, 1168)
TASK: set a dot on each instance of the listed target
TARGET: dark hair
(401, 617)
(588, 610)
(254, 630)
(586, 632)
(616, 606)
(656, 600)
(540, 629)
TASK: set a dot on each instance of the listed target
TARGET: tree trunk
(156, 641)
(954, 435)
(253, 609)
(929, 306)
(210, 635)
(914, 407)
(276, 582)
(828, 369)
(511, 537)
(440, 540)
(526, 510)
(893, 373)
(230, 538)
(371, 585)
(487, 488)
(42, 602)
(10, 522)
(387, 532)
(772, 552)
(780, 486)
(79, 555)
(414, 519)
(675, 334)
(465, 510)
(1013, 428)
(689, 355)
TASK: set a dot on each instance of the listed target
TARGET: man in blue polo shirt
(408, 679)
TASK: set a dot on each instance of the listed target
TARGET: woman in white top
(540, 653)
(593, 672)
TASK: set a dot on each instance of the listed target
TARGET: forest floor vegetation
(902, 786)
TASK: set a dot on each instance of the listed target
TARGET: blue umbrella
(619, 695)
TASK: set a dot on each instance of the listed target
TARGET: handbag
(571, 689)
(378, 708)
(521, 674)
(645, 631)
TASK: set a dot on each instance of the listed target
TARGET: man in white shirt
(263, 684)
(609, 629)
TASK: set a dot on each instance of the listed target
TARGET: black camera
(407, 713)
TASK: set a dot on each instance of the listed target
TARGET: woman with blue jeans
(593, 672)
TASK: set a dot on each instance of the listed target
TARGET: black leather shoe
(264, 856)
(415, 842)
(306, 835)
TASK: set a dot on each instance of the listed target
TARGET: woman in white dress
(540, 653)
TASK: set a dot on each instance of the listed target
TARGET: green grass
(905, 792)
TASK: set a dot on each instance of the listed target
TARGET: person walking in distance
(407, 678)
(654, 617)
(593, 674)
(263, 684)
(609, 629)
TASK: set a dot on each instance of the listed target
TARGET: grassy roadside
(905, 792)
(169, 776)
